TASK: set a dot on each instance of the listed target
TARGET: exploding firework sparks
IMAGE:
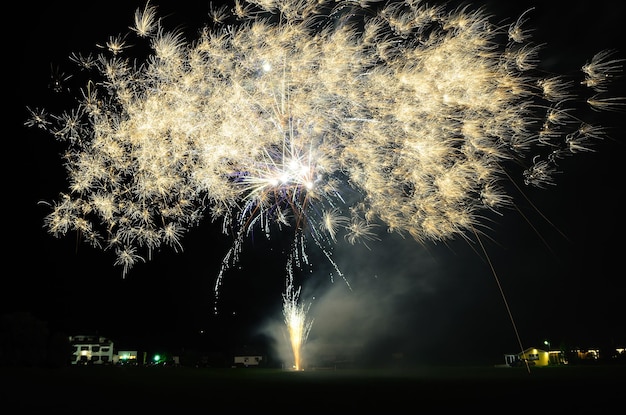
(296, 319)
(325, 118)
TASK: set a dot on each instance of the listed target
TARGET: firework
(296, 319)
(329, 119)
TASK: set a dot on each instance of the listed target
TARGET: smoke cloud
(391, 290)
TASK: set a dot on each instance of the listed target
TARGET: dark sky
(559, 260)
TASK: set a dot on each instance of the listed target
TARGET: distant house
(90, 349)
(126, 357)
(248, 360)
(535, 357)
(587, 354)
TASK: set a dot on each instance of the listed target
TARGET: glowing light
(330, 118)
(296, 319)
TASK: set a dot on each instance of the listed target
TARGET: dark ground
(180, 390)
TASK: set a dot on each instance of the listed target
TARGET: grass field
(180, 390)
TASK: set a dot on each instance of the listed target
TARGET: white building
(88, 349)
(248, 360)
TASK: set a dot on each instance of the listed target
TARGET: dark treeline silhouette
(26, 341)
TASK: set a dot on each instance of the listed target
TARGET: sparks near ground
(296, 320)
(327, 119)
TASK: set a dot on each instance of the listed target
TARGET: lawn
(181, 390)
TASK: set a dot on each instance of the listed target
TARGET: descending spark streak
(297, 321)
(325, 117)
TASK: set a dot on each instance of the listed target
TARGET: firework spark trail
(281, 109)
(296, 319)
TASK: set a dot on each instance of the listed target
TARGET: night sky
(558, 259)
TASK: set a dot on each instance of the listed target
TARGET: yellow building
(535, 357)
